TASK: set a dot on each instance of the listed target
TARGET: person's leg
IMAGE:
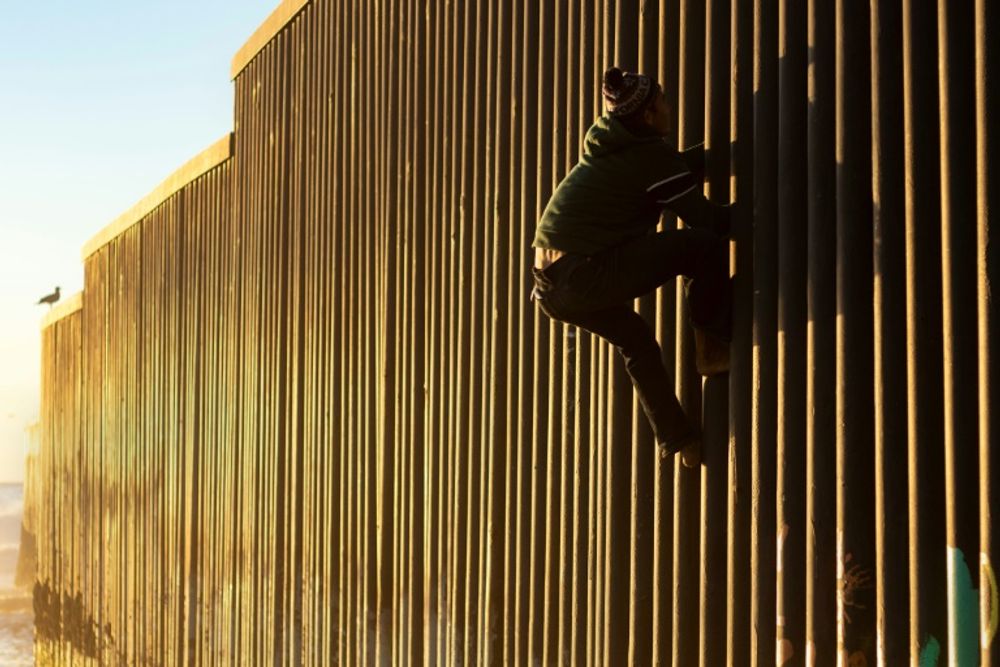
(637, 268)
(625, 329)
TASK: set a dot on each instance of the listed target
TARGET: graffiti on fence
(989, 603)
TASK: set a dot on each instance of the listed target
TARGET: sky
(99, 102)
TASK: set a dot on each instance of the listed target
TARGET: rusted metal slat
(389, 224)
(821, 351)
(350, 375)
(544, 348)
(479, 331)
(581, 613)
(402, 606)
(888, 217)
(956, 105)
(302, 637)
(715, 390)
(667, 42)
(481, 340)
(599, 352)
(687, 483)
(399, 247)
(765, 318)
(434, 389)
(329, 546)
(927, 573)
(558, 398)
(452, 99)
(855, 546)
(637, 49)
(453, 587)
(987, 23)
(791, 387)
(740, 375)
(520, 604)
(501, 315)
(504, 557)
(621, 44)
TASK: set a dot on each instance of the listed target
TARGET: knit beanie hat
(626, 92)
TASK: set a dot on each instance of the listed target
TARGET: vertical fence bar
(569, 556)
(662, 563)
(792, 264)
(545, 350)
(559, 398)
(580, 520)
(518, 315)
(855, 550)
(715, 408)
(446, 332)
(601, 352)
(928, 601)
(741, 152)
(505, 300)
(621, 31)
(348, 258)
(820, 544)
(478, 342)
(433, 303)
(691, 127)
(956, 104)
(765, 318)
(399, 156)
(419, 180)
(391, 223)
(987, 269)
(589, 429)
(642, 20)
(531, 90)
(662, 556)
(889, 257)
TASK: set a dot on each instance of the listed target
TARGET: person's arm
(678, 187)
(696, 211)
(695, 158)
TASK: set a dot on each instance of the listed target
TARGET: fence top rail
(271, 26)
(197, 166)
(63, 309)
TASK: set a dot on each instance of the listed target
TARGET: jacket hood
(607, 135)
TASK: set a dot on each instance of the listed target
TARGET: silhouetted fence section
(307, 413)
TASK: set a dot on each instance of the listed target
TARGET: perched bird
(49, 298)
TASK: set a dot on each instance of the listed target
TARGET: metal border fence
(306, 414)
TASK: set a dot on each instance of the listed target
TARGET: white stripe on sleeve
(667, 180)
(667, 201)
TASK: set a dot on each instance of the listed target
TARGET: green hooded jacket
(620, 187)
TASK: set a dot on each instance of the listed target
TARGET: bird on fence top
(49, 298)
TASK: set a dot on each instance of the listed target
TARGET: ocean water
(16, 617)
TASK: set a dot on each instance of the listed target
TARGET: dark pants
(595, 293)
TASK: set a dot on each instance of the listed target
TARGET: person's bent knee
(639, 349)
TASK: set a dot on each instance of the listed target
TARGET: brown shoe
(691, 453)
(711, 354)
(689, 449)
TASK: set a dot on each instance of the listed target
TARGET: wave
(10, 530)
(11, 507)
(8, 559)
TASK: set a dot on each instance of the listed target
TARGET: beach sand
(16, 628)
(16, 612)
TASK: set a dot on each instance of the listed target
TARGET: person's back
(608, 198)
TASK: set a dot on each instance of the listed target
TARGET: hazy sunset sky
(99, 102)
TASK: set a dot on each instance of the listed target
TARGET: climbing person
(597, 249)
